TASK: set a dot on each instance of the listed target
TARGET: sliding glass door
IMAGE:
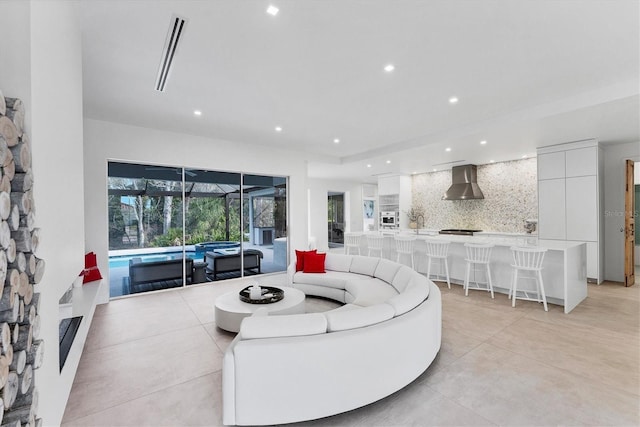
(213, 222)
(170, 227)
(144, 226)
(266, 226)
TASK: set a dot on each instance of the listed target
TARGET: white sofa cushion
(339, 320)
(416, 292)
(332, 279)
(364, 265)
(368, 292)
(386, 270)
(291, 325)
(321, 291)
(402, 277)
(345, 307)
(337, 262)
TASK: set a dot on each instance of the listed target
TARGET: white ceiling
(527, 73)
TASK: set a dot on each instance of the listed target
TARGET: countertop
(429, 232)
(506, 239)
(523, 241)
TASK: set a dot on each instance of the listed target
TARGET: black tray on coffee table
(269, 295)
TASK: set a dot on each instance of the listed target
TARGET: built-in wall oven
(389, 219)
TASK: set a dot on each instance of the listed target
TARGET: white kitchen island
(564, 268)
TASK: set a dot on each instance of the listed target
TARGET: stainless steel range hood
(464, 184)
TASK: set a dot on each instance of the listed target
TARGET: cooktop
(459, 231)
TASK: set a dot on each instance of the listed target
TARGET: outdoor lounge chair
(225, 263)
(154, 275)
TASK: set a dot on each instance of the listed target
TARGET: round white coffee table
(229, 310)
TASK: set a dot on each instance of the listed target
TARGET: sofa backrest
(340, 320)
(337, 262)
(386, 270)
(364, 265)
(416, 291)
(402, 277)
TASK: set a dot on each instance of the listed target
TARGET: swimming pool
(162, 254)
(123, 260)
(210, 246)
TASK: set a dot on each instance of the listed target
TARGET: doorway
(632, 207)
(335, 219)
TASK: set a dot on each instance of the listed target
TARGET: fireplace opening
(68, 329)
(68, 325)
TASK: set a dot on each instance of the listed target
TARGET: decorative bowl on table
(269, 295)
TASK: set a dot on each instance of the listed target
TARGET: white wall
(56, 75)
(614, 183)
(113, 141)
(15, 53)
(318, 192)
(41, 64)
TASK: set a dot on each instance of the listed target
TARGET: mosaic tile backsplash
(510, 196)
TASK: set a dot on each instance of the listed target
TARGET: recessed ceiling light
(389, 68)
(483, 142)
(368, 166)
(336, 141)
(272, 10)
(278, 129)
(453, 100)
(197, 112)
(435, 170)
(388, 161)
(414, 172)
(447, 149)
(492, 161)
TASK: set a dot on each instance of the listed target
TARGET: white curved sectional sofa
(288, 368)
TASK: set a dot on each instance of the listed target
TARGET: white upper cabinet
(582, 162)
(389, 185)
(551, 165)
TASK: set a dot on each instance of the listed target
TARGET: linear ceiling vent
(176, 29)
(449, 163)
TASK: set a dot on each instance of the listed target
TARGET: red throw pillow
(300, 258)
(314, 263)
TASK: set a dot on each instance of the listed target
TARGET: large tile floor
(155, 360)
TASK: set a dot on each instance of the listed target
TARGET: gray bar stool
(528, 260)
(478, 255)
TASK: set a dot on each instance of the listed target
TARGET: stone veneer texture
(510, 196)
